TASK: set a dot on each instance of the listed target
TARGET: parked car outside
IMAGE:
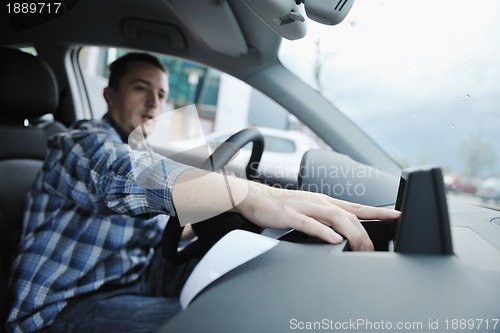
(489, 189)
(462, 184)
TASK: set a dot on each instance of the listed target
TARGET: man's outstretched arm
(198, 195)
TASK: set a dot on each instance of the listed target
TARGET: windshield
(422, 78)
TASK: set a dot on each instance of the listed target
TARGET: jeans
(143, 306)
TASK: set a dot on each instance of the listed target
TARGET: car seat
(28, 98)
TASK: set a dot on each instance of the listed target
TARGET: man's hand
(198, 195)
(315, 214)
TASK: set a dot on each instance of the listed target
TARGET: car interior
(438, 264)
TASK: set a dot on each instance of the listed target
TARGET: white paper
(231, 251)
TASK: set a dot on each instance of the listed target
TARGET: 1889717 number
(33, 7)
(471, 324)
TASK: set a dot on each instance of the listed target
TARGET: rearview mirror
(329, 12)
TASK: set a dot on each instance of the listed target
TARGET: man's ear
(108, 95)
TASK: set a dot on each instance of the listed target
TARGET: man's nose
(153, 99)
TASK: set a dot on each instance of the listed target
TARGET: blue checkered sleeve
(95, 213)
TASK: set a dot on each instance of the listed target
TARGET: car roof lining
(159, 18)
(226, 38)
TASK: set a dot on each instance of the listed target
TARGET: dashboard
(302, 284)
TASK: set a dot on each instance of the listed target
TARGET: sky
(422, 78)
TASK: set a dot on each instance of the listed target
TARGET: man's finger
(345, 223)
(313, 227)
(367, 212)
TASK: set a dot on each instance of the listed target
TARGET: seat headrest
(28, 87)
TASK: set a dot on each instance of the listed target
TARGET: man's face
(140, 96)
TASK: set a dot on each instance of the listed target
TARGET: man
(87, 259)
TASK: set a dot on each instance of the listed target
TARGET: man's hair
(119, 67)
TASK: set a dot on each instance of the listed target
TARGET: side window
(93, 63)
(206, 105)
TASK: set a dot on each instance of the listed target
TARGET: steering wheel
(211, 230)
(229, 148)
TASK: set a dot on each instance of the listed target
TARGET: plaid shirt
(90, 221)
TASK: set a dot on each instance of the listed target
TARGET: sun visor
(283, 16)
(224, 37)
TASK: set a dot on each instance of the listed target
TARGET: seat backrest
(28, 98)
